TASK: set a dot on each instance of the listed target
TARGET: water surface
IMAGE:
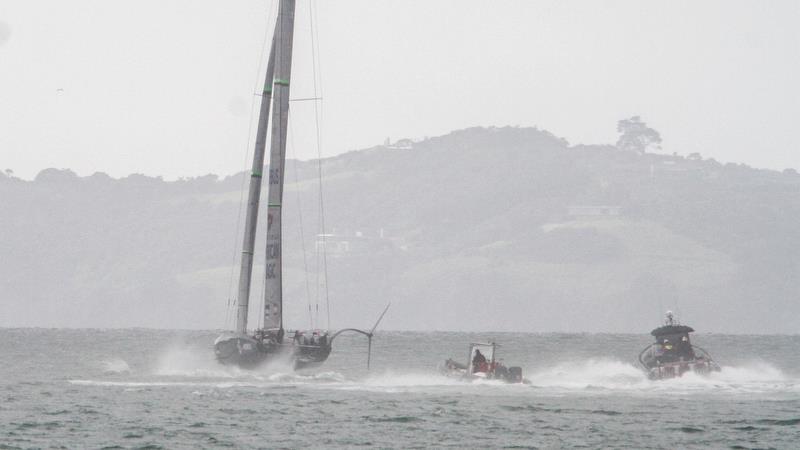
(163, 389)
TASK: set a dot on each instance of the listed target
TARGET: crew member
(478, 362)
(684, 349)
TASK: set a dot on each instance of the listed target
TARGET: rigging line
(317, 61)
(300, 216)
(318, 93)
(246, 159)
(318, 271)
(316, 67)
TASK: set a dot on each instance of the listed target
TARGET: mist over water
(133, 388)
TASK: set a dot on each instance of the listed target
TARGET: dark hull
(247, 352)
(661, 366)
(306, 356)
(667, 371)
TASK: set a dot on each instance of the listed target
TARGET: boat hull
(668, 371)
(247, 352)
(659, 365)
(310, 356)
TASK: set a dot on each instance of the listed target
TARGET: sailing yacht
(240, 347)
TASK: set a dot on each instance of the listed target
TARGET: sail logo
(273, 251)
(274, 176)
(271, 271)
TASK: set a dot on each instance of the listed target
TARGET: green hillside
(480, 229)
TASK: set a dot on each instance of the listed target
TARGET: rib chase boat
(482, 364)
(672, 354)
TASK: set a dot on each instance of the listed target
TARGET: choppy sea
(162, 389)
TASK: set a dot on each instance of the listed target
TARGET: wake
(115, 366)
(181, 366)
(192, 363)
(617, 376)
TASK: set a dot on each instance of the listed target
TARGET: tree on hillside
(636, 136)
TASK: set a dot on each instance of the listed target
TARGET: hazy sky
(165, 87)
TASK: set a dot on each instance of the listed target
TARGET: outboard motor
(501, 372)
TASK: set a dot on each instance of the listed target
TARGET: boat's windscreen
(667, 339)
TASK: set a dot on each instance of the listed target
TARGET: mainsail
(273, 295)
(253, 198)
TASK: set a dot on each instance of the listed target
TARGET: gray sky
(165, 87)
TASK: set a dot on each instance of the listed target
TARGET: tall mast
(273, 294)
(253, 198)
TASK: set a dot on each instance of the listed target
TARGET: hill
(480, 229)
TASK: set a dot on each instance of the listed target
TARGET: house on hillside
(332, 244)
(402, 144)
(354, 243)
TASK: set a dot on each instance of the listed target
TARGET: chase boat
(482, 364)
(672, 354)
